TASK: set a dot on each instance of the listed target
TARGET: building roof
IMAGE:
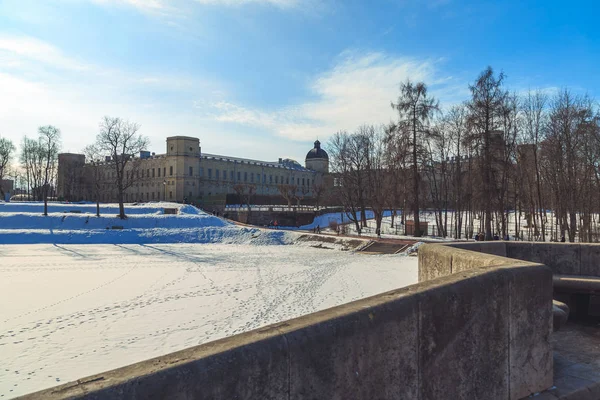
(317, 152)
(287, 163)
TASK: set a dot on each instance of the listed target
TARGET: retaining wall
(482, 333)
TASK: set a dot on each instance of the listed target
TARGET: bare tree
(534, 123)
(415, 108)
(122, 141)
(485, 110)
(32, 161)
(288, 192)
(378, 177)
(7, 149)
(246, 192)
(93, 155)
(455, 125)
(49, 145)
(347, 175)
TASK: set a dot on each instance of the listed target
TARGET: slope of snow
(74, 310)
(23, 223)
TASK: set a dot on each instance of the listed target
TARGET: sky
(263, 79)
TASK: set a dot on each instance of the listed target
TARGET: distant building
(184, 173)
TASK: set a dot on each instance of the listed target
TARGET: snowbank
(23, 223)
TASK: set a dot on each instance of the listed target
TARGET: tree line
(478, 166)
(116, 147)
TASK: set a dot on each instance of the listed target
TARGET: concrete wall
(562, 258)
(530, 301)
(482, 333)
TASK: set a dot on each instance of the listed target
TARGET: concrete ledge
(576, 283)
(480, 333)
(529, 308)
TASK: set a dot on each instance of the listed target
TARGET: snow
(23, 223)
(74, 310)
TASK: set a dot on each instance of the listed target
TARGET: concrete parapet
(529, 305)
(480, 333)
(562, 258)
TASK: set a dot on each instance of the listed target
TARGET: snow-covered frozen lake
(68, 311)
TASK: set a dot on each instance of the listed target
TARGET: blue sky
(264, 78)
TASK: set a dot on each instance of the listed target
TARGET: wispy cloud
(42, 85)
(357, 90)
(277, 3)
(149, 6)
(175, 7)
(14, 47)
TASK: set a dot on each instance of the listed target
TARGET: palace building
(184, 173)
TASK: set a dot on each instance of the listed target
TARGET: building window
(148, 173)
(264, 178)
(171, 170)
(158, 172)
(224, 175)
(201, 171)
(302, 181)
(216, 174)
(276, 180)
(165, 171)
(239, 176)
(245, 177)
(231, 176)
(152, 195)
(191, 170)
(270, 178)
(170, 195)
(190, 196)
(252, 177)
(210, 173)
(287, 180)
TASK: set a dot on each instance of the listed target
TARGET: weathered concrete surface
(463, 260)
(562, 258)
(576, 364)
(590, 260)
(438, 262)
(217, 370)
(529, 310)
(496, 248)
(530, 293)
(474, 334)
(367, 354)
(576, 283)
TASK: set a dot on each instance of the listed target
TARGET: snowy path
(68, 311)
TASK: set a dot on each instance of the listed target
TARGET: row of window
(305, 181)
(140, 196)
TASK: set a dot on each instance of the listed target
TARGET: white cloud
(173, 7)
(277, 3)
(358, 90)
(13, 47)
(150, 6)
(74, 96)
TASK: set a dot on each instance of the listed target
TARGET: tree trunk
(417, 227)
